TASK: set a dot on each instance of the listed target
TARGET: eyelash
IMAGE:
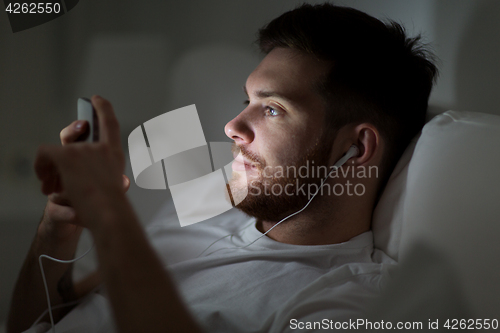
(268, 109)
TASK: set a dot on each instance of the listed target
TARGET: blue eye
(272, 112)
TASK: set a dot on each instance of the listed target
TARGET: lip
(241, 165)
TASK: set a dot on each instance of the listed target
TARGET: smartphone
(86, 112)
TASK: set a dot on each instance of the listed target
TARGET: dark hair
(378, 74)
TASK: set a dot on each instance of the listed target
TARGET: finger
(126, 183)
(59, 199)
(109, 129)
(46, 169)
(61, 214)
(74, 131)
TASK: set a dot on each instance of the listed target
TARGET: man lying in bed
(332, 77)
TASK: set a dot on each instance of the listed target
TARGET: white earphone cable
(49, 309)
(353, 151)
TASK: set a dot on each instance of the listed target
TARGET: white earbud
(352, 152)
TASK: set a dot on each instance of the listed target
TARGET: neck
(327, 220)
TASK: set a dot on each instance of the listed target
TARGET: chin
(252, 200)
(237, 188)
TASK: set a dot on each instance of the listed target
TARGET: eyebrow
(266, 94)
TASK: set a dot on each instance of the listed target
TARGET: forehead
(290, 73)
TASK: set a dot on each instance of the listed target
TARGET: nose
(240, 129)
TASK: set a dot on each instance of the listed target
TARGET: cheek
(282, 152)
(285, 144)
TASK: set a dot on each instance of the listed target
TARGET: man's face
(281, 129)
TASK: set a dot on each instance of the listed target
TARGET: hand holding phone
(59, 209)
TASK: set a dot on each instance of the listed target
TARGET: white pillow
(452, 146)
(388, 214)
(452, 202)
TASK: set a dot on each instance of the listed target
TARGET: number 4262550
(455, 324)
(33, 8)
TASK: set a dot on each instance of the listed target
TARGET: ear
(368, 140)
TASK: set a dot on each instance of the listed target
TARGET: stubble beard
(257, 195)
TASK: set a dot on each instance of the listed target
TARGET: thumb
(126, 183)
